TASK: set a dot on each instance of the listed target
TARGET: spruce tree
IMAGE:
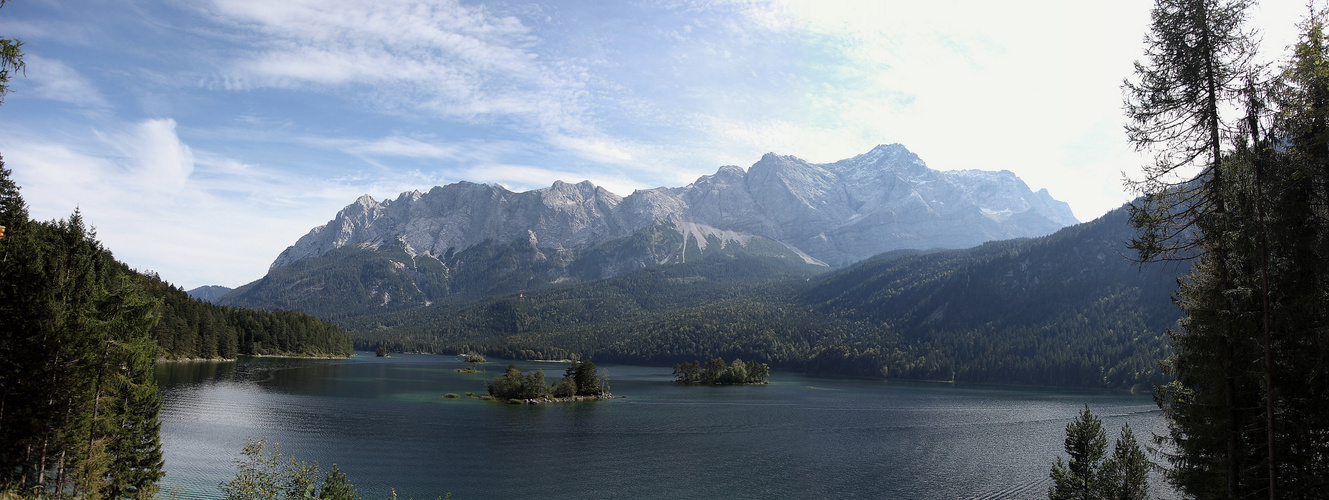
(1086, 444)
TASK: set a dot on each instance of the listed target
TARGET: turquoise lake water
(384, 422)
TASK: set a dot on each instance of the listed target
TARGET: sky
(202, 137)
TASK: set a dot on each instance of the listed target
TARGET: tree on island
(473, 359)
(381, 352)
(717, 372)
(580, 379)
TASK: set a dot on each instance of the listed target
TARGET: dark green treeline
(192, 328)
(78, 342)
(78, 403)
(717, 372)
(580, 379)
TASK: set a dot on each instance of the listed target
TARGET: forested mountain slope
(1068, 309)
(195, 328)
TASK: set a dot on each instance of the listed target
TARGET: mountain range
(836, 213)
(875, 265)
(466, 240)
(1068, 309)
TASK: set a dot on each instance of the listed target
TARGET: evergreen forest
(78, 346)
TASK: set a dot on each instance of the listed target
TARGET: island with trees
(717, 372)
(581, 382)
(472, 363)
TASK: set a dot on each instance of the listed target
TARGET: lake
(385, 422)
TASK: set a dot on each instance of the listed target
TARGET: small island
(471, 360)
(382, 352)
(580, 383)
(717, 373)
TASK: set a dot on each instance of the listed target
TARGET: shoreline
(294, 356)
(196, 360)
(553, 400)
(237, 358)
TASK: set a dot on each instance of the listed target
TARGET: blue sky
(203, 137)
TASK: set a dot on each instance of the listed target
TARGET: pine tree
(78, 402)
(1247, 409)
(1125, 476)
(1086, 444)
(1091, 474)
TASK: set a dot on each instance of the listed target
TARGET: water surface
(384, 422)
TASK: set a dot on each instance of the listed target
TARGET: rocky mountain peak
(838, 213)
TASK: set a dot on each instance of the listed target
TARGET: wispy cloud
(282, 112)
(198, 218)
(57, 81)
(445, 58)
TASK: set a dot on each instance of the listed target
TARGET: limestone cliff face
(836, 213)
(459, 216)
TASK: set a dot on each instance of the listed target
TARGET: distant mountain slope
(209, 293)
(192, 328)
(838, 213)
(1069, 306)
(354, 280)
(465, 240)
(1066, 310)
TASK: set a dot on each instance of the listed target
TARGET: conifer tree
(1086, 444)
(1091, 474)
(1197, 56)
(1125, 476)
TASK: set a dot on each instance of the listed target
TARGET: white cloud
(450, 59)
(194, 218)
(1015, 86)
(54, 80)
(398, 146)
(992, 85)
(643, 95)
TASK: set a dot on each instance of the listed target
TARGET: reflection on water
(385, 423)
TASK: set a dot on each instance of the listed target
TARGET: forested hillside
(194, 328)
(80, 335)
(1066, 309)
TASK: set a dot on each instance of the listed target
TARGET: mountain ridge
(1067, 309)
(834, 213)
